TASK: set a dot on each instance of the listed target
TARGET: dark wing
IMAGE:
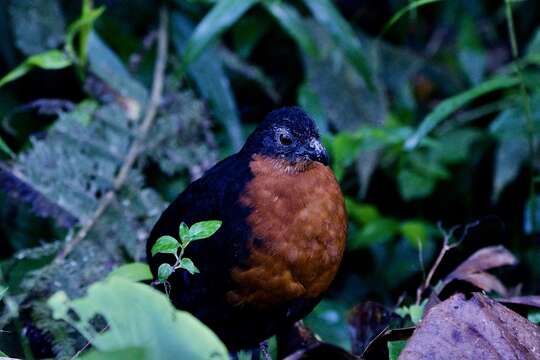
(212, 197)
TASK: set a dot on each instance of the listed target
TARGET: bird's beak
(315, 151)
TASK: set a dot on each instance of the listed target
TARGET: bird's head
(288, 135)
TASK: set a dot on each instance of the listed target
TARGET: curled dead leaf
(477, 328)
(473, 270)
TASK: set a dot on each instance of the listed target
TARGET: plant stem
(136, 146)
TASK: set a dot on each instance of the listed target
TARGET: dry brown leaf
(473, 269)
(478, 328)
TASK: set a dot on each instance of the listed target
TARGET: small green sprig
(169, 245)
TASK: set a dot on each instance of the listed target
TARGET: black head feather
(289, 134)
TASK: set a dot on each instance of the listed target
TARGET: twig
(447, 236)
(136, 146)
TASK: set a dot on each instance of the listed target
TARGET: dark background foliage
(432, 120)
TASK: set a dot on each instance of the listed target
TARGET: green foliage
(82, 26)
(456, 102)
(209, 75)
(414, 312)
(534, 317)
(136, 271)
(50, 60)
(219, 19)
(414, 120)
(169, 245)
(395, 348)
(136, 316)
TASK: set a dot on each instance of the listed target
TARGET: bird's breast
(298, 231)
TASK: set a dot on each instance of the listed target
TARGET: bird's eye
(285, 139)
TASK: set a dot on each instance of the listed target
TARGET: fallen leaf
(473, 269)
(478, 328)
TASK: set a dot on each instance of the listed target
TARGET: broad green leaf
(361, 213)
(134, 271)
(220, 17)
(210, 78)
(448, 106)
(293, 23)
(377, 231)
(395, 348)
(3, 354)
(415, 231)
(247, 32)
(105, 64)
(49, 60)
(164, 271)
(165, 244)
(203, 229)
(138, 316)
(329, 321)
(183, 232)
(471, 53)
(329, 16)
(409, 7)
(131, 353)
(188, 264)
(413, 185)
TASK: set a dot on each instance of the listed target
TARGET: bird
(282, 238)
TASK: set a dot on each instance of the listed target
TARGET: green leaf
(49, 60)
(398, 15)
(415, 231)
(221, 17)
(210, 78)
(395, 348)
(448, 106)
(293, 24)
(3, 354)
(415, 312)
(5, 148)
(188, 264)
(84, 26)
(361, 213)
(203, 229)
(327, 14)
(138, 316)
(134, 271)
(377, 231)
(164, 271)
(534, 317)
(165, 244)
(183, 232)
(131, 353)
(413, 185)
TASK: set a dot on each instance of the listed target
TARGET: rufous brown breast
(299, 229)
